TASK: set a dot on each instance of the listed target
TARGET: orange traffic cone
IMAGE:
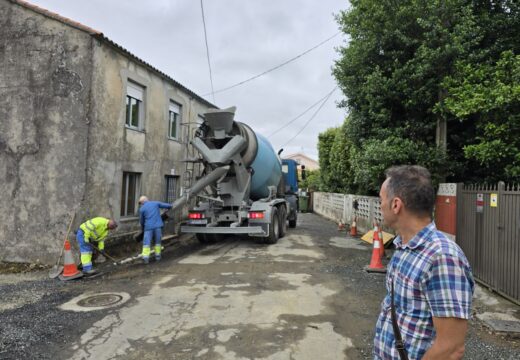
(341, 226)
(377, 231)
(70, 271)
(375, 263)
(353, 228)
(383, 253)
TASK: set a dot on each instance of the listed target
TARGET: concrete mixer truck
(244, 189)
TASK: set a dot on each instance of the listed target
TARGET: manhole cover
(100, 300)
(91, 302)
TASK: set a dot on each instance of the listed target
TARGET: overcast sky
(245, 38)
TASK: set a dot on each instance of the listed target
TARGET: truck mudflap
(252, 230)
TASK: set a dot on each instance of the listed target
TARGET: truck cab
(290, 175)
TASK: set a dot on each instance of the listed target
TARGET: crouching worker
(152, 224)
(89, 233)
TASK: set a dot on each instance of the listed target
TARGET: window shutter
(135, 91)
(175, 108)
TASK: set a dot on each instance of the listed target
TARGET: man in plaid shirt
(433, 283)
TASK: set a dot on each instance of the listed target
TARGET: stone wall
(45, 76)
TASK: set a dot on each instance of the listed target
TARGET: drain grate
(100, 300)
(93, 302)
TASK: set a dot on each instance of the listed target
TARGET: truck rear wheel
(274, 228)
(209, 238)
(213, 238)
(283, 222)
(202, 238)
(292, 222)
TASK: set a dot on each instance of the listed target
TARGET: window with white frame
(174, 119)
(134, 105)
(129, 193)
(171, 188)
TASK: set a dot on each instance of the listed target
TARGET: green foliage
(325, 142)
(334, 154)
(341, 178)
(312, 181)
(489, 96)
(374, 157)
(394, 63)
(412, 64)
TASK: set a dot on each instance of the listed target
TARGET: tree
(392, 68)
(341, 178)
(334, 153)
(325, 142)
(312, 181)
(489, 96)
(394, 73)
(375, 156)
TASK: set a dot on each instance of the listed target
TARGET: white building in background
(302, 159)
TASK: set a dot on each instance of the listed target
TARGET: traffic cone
(70, 271)
(383, 253)
(375, 263)
(377, 231)
(341, 226)
(353, 228)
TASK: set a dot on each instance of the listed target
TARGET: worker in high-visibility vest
(152, 224)
(92, 232)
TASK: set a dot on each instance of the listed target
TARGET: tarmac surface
(306, 297)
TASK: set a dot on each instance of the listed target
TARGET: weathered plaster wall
(114, 149)
(63, 142)
(45, 71)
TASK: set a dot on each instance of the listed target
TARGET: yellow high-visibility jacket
(96, 229)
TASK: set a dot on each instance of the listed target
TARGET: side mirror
(304, 175)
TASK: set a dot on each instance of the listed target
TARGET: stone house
(86, 127)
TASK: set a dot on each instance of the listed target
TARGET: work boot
(89, 272)
(158, 258)
(146, 261)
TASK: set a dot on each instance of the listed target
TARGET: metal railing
(488, 230)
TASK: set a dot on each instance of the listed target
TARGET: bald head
(142, 200)
(112, 224)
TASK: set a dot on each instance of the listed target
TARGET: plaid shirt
(432, 278)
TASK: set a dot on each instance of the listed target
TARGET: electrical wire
(312, 117)
(207, 51)
(297, 117)
(272, 69)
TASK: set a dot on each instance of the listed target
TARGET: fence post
(500, 196)
(460, 212)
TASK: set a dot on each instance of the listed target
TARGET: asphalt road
(306, 297)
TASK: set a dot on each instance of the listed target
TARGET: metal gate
(488, 230)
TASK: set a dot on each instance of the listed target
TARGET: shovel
(102, 252)
(56, 270)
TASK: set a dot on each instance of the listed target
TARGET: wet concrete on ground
(306, 297)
